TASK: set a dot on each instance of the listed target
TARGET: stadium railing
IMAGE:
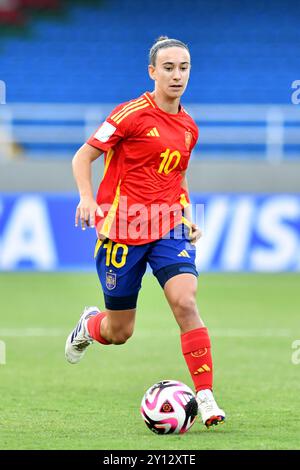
(262, 132)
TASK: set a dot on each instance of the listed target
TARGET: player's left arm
(195, 230)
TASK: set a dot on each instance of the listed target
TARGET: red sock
(93, 326)
(195, 345)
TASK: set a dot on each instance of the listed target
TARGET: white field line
(214, 332)
(31, 332)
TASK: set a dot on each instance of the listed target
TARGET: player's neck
(169, 105)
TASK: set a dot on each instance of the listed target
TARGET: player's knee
(185, 304)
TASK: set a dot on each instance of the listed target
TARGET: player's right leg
(107, 327)
(120, 269)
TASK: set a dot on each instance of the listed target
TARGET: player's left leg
(172, 259)
(180, 291)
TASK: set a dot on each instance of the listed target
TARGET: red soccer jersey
(146, 151)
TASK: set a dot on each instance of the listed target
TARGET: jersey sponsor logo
(188, 139)
(199, 353)
(153, 132)
(204, 368)
(111, 281)
(105, 132)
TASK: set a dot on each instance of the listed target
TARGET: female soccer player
(139, 217)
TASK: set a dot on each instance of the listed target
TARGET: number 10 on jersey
(170, 161)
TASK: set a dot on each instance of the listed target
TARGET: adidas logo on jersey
(154, 132)
(184, 253)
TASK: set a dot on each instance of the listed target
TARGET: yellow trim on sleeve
(117, 117)
(125, 108)
(131, 111)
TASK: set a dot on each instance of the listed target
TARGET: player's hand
(86, 213)
(195, 234)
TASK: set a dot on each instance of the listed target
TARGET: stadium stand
(91, 53)
(95, 53)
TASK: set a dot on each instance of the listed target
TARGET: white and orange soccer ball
(169, 407)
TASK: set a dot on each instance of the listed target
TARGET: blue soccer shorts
(121, 267)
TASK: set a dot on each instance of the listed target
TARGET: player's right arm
(81, 164)
(110, 132)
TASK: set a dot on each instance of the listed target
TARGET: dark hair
(161, 43)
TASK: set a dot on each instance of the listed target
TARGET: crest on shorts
(111, 281)
(188, 139)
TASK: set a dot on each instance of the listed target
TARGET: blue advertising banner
(246, 232)
(241, 232)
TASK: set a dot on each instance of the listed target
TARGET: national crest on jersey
(146, 151)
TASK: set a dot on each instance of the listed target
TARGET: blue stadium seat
(239, 55)
(95, 54)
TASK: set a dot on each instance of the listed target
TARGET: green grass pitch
(47, 403)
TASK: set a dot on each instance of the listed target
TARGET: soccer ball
(169, 407)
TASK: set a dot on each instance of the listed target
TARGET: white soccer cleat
(79, 339)
(208, 409)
